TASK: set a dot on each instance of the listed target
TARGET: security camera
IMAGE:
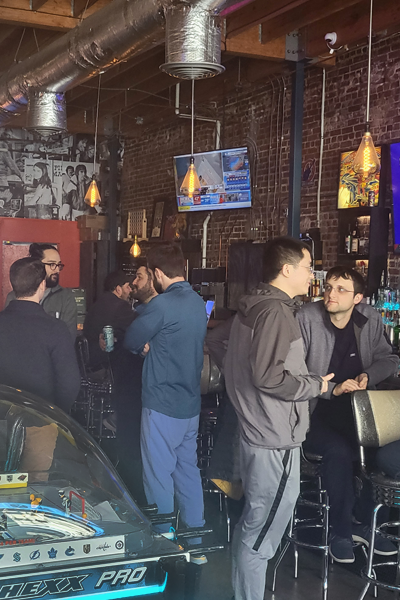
(331, 38)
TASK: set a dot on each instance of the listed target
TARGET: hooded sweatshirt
(265, 372)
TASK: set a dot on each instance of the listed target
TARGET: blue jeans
(169, 455)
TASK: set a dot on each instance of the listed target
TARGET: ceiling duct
(117, 32)
(47, 113)
(193, 42)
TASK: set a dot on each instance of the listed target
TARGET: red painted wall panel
(63, 233)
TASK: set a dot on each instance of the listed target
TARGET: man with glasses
(57, 301)
(347, 338)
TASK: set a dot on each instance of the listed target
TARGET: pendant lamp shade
(93, 195)
(191, 184)
(135, 250)
(366, 161)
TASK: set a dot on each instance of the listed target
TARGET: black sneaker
(383, 546)
(341, 549)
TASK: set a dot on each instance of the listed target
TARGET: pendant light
(135, 250)
(92, 197)
(191, 184)
(366, 161)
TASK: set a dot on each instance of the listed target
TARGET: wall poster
(354, 190)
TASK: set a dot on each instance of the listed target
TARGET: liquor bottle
(347, 242)
(355, 241)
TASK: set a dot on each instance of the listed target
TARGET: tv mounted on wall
(224, 177)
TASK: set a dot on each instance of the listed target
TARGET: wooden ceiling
(135, 93)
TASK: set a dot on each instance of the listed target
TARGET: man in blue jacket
(174, 326)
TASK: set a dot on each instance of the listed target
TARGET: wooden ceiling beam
(300, 16)
(351, 25)
(42, 20)
(249, 43)
(257, 12)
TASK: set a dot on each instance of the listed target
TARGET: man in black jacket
(113, 308)
(37, 352)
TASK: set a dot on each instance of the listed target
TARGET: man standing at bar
(346, 337)
(268, 384)
(57, 301)
(174, 325)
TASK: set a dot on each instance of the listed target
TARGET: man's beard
(52, 280)
(142, 294)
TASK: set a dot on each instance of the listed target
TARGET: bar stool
(97, 389)
(312, 496)
(377, 418)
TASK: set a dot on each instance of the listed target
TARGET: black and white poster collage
(49, 179)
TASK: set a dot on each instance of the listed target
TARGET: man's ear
(358, 298)
(158, 274)
(118, 291)
(42, 286)
(286, 270)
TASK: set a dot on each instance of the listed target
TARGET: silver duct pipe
(118, 31)
(193, 42)
(46, 113)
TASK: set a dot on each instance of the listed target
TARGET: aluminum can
(108, 333)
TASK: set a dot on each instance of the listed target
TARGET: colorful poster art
(354, 190)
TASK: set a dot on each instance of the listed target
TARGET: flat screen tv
(224, 178)
(395, 169)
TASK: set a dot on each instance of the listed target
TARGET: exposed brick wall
(258, 115)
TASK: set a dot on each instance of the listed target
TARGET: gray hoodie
(265, 373)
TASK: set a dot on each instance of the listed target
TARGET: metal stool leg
(371, 551)
(228, 518)
(325, 529)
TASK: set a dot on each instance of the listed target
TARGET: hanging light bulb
(191, 184)
(93, 195)
(135, 250)
(366, 161)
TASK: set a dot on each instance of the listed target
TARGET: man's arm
(217, 341)
(70, 314)
(384, 362)
(122, 319)
(269, 350)
(65, 366)
(146, 325)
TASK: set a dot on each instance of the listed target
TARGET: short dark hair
(168, 258)
(26, 274)
(347, 273)
(37, 250)
(282, 251)
(116, 278)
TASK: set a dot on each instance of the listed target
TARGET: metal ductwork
(47, 114)
(193, 42)
(120, 30)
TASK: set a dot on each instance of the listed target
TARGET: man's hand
(102, 342)
(325, 379)
(348, 386)
(145, 350)
(362, 381)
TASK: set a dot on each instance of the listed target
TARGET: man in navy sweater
(37, 351)
(174, 326)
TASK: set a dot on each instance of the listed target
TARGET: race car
(68, 527)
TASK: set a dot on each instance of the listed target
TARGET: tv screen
(395, 168)
(224, 177)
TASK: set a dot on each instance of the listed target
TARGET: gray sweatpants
(271, 482)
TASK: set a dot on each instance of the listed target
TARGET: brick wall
(258, 115)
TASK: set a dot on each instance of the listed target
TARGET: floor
(212, 581)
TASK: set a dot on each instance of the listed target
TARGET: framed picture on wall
(157, 222)
(354, 190)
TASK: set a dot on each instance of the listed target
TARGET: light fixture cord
(96, 125)
(192, 116)
(369, 60)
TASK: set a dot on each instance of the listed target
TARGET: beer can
(108, 333)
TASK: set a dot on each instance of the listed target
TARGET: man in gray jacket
(268, 384)
(346, 337)
(57, 301)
